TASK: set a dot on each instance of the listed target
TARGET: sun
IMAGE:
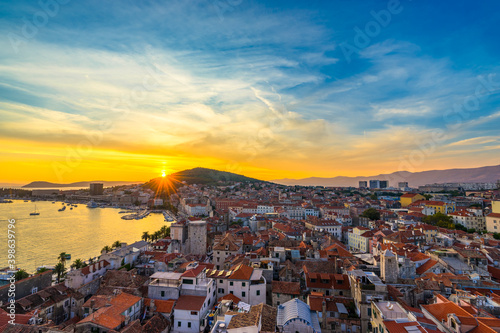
(163, 173)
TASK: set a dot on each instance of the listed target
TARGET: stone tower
(197, 237)
(178, 234)
(389, 267)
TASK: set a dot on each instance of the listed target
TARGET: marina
(83, 232)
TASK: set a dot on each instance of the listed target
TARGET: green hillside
(200, 176)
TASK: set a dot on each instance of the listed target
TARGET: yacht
(92, 204)
(36, 212)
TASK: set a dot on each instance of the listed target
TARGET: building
(493, 219)
(76, 278)
(359, 239)
(409, 198)
(226, 247)
(365, 288)
(44, 193)
(331, 226)
(363, 184)
(389, 267)
(105, 313)
(296, 316)
(96, 188)
(284, 291)
(197, 237)
(374, 183)
(242, 281)
(469, 220)
(403, 185)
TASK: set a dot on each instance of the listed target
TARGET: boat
(53, 202)
(45, 267)
(70, 208)
(6, 273)
(36, 212)
(92, 204)
(62, 209)
(68, 256)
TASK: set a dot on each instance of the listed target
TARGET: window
(220, 281)
(163, 293)
(243, 294)
(194, 313)
(369, 311)
(258, 292)
(231, 283)
(243, 284)
(231, 292)
(189, 324)
(179, 324)
(34, 290)
(187, 281)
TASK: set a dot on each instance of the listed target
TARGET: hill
(42, 184)
(201, 176)
(488, 174)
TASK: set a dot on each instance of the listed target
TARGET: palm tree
(21, 274)
(59, 270)
(116, 244)
(62, 258)
(165, 231)
(106, 249)
(77, 264)
(145, 236)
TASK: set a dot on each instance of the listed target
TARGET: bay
(81, 232)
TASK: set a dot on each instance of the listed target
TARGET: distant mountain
(42, 184)
(198, 176)
(488, 174)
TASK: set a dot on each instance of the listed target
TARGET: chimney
(92, 304)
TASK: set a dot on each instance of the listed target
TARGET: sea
(81, 231)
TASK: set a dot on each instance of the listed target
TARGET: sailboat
(36, 212)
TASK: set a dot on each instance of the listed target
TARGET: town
(264, 257)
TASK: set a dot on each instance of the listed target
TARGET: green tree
(106, 249)
(77, 264)
(373, 196)
(116, 244)
(427, 196)
(436, 218)
(42, 270)
(496, 235)
(145, 236)
(62, 258)
(21, 274)
(59, 270)
(371, 213)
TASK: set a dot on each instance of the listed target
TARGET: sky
(126, 90)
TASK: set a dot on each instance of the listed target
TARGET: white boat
(92, 204)
(36, 212)
(7, 274)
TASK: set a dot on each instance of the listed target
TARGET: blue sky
(274, 88)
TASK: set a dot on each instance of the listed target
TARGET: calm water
(81, 232)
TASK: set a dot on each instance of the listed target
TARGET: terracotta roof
(230, 297)
(241, 272)
(426, 266)
(192, 303)
(162, 306)
(288, 288)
